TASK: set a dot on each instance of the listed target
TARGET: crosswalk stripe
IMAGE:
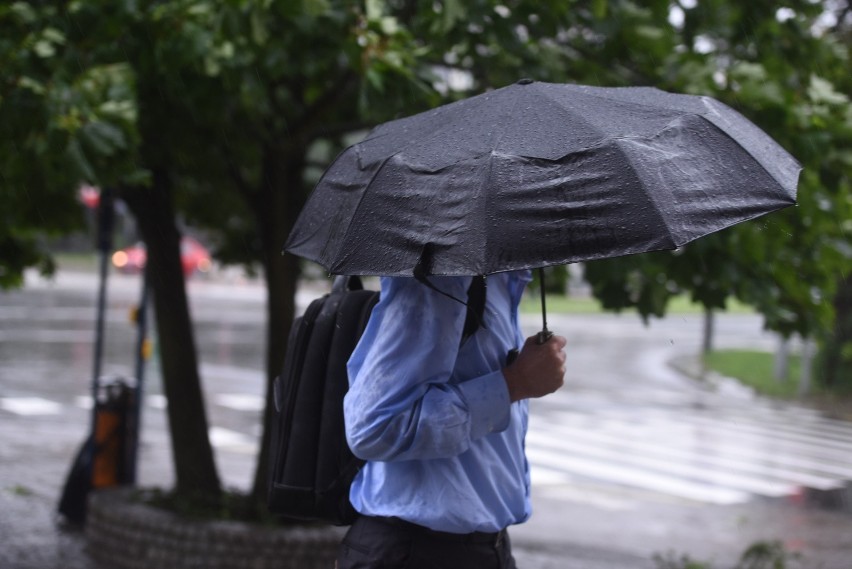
(724, 457)
(683, 470)
(240, 401)
(232, 440)
(698, 453)
(30, 406)
(544, 476)
(42, 336)
(810, 446)
(776, 431)
(603, 499)
(632, 477)
(797, 419)
(715, 442)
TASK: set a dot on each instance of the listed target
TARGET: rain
(694, 215)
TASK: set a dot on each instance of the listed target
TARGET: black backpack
(311, 465)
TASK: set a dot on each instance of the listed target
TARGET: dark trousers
(390, 543)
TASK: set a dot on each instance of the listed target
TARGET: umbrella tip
(525, 81)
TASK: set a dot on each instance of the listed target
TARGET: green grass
(561, 304)
(756, 369)
(77, 261)
(761, 554)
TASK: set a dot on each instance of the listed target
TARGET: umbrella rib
(705, 101)
(483, 264)
(357, 207)
(651, 198)
(748, 151)
(569, 112)
(505, 130)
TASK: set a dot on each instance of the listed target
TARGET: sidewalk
(37, 453)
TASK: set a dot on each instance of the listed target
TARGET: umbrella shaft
(545, 334)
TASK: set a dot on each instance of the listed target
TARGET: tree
(779, 68)
(70, 114)
(51, 115)
(227, 112)
(251, 113)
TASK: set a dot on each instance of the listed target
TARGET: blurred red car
(194, 258)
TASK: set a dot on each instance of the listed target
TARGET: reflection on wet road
(631, 423)
(626, 435)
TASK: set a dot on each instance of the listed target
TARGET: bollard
(106, 458)
(114, 433)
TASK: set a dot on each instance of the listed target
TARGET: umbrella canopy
(537, 174)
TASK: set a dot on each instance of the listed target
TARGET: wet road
(630, 458)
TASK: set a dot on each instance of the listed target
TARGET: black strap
(476, 294)
(475, 304)
(475, 319)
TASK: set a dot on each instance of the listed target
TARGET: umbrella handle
(545, 334)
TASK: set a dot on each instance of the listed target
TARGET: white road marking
(30, 406)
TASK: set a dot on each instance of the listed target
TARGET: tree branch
(338, 129)
(328, 100)
(841, 18)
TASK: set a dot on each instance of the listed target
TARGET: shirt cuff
(488, 401)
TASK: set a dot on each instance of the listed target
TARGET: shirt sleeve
(401, 403)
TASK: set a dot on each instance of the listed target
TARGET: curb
(122, 533)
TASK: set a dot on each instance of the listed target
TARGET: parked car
(194, 257)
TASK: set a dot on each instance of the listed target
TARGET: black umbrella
(538, 174)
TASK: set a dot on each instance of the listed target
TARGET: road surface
(629, 459)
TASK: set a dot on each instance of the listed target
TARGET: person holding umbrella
(441, 422)
(527, 176)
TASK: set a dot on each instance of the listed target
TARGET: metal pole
(106, 218)
(141, 341)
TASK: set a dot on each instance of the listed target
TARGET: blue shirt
(432, 416)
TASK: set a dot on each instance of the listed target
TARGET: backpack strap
(343, 283)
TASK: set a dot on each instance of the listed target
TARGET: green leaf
(44, 49)
(79, 161)
(104, 137)
(375, 78)
(822, 91)
(316, 8)
(259, 31)
(374, 9)
(120, 110)
(650, 33)
(389, 26)
(32, 85)
(24, 12)
(747, 71)
(53, 35)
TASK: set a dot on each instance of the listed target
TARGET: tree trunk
(709, 330)
(836, 358)
(781, 363)
(195, 468)
(808, 350)
(277, 206)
